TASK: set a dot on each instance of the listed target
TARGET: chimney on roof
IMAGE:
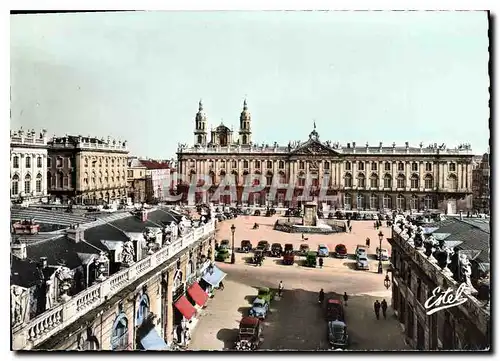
(19, 250)
(75, 233)
(43, 262)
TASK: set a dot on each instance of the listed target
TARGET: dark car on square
(340, 251)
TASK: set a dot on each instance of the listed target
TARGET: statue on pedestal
(19, 297)
(65, 281)
(465, 269)
(430, 244)
(128, 253)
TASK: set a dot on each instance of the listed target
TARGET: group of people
(380, 305)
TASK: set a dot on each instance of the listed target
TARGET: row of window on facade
(27, 184)
(100, 178)
(372, 202)
(27, 162)
(326, 165)
(106, 162)
(348, 180)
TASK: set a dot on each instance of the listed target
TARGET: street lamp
(387, 281)
(233, 257)
(380, 237)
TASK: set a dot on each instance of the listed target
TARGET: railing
(28, 140)
(52, 321)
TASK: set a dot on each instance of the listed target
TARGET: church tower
(200, 130)
(245, 129)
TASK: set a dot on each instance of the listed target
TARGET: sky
(361, 76)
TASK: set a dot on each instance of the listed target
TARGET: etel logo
(442, 300)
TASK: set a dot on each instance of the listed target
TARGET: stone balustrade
(28, 140)
(41, 328)
(473, 308)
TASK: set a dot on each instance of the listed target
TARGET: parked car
(323, 251)
(276, 250)
(334, 310)
(303, 249)
(246, 246)
(258, 256)
(361, 251)
(249, 334)
(220, 217)
(259, 308)
(256, 213)
(265, 294)
(222, 255)
(264, 246)
(224, 244)
(337, 334)
(362, 263)
(340, 251)
(288, 258)
(288, 247)
(382, 254)
(311, 259)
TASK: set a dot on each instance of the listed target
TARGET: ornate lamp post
(380, 237)
(233, 256)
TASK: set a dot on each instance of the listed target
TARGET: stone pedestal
(310, 214)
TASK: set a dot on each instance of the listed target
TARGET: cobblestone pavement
(296, 321)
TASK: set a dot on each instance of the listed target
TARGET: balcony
(61, 316)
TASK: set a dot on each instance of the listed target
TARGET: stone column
(354, 174)
(394, 180)
(407, 173)
(380, 171)
(169, 336)
(421, 175)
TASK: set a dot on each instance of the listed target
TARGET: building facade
(127, 292)
(481, 185)
(136, 181)
(87, 170)
(28, 165)
(450, 254)
(353, 176)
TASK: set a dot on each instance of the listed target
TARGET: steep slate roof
(154, 164)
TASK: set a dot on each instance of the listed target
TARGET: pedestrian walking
(376, 307)
(350, 229)
(221, 286)
(384, 308)
(321, 262)
(346, 297)
(187, 337)
(368, 242)
(280, 289)
(375, 225)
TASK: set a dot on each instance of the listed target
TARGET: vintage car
(222, 255)
(288, 247)
(361, 251)
(362, 263)
(246, 246)
(259, 308)
(323, 251)
(263, 245)
(340, 251)
(26, 226)
(266, 294)
(256, 213)
(224, 244)
(382, 254)
(258, 256)
(337, 334)
(288, 257)
(276, 250)
(303, 249)
(311, 259)
(334, 310)
(249, 334)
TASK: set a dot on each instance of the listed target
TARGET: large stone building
(353, 176)
(117, 283)
(481, 185)
(150, 180)
(28, 165)
(87, 170)
(450, 254)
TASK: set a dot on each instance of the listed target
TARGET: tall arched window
(428, 181)
(222, 175)
(361, 180)
(60, 179)
(269, 178)
(38, 185)
(142, 309)
(234, 177)
(414, 181)
(374, 180)
(360, 202)
(453, 182)
(49, 180)
(301, 179)
(400, 202)
(281, 164)
(414, 202)
(387, 201)
(15, 161)
(347, 201)
(401, 181)
(27, 183)
(39, 162)
(374, 201)
(428, 202)
(348, 180)
(282, 177)
(387, 181)
(28, 162)
(15, 185)
(119, 336)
